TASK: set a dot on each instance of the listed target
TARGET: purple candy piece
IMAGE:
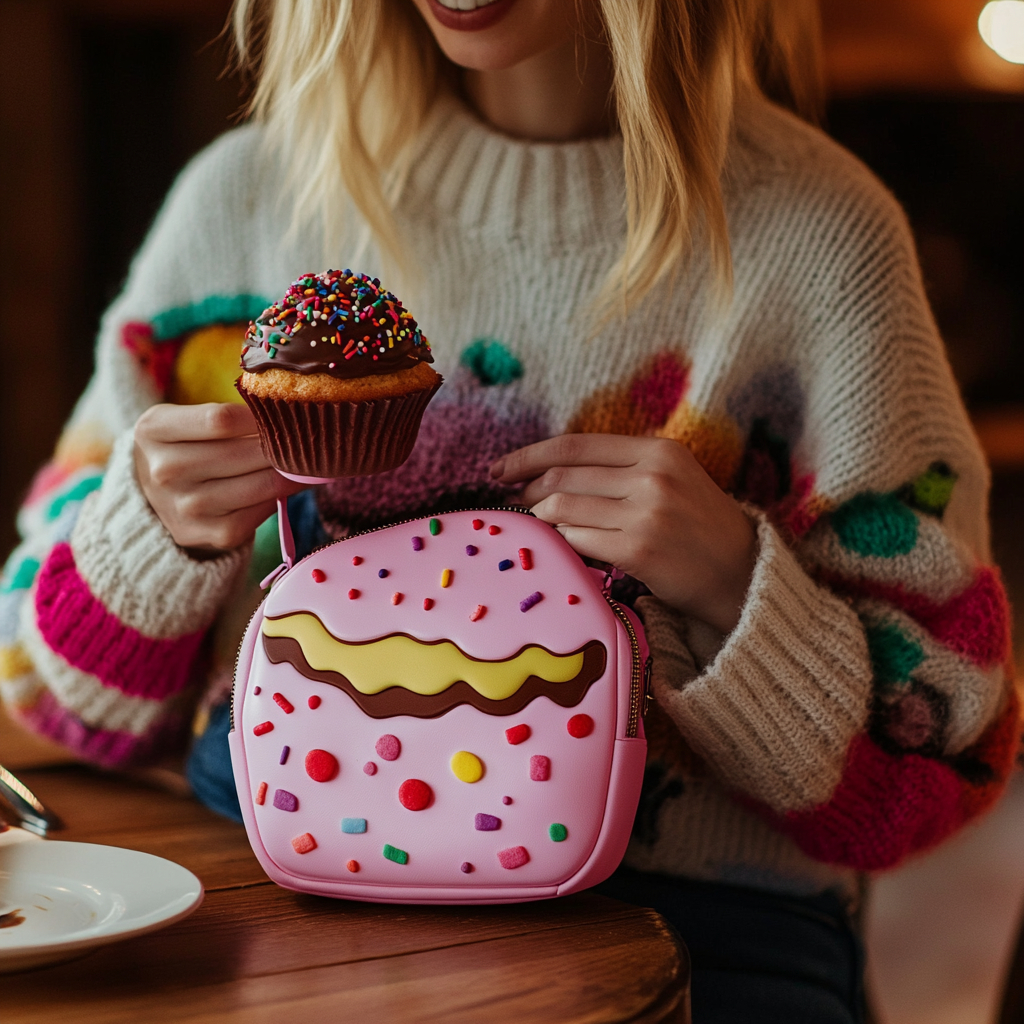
(540, 768)
(486, 823)
(382, 573)
(370, 768)
(285, 751)
(506, 800)
(285, 801)
(417, 543)
(388, 747)
(506, 563)
(528, 602)
(471, 549)
(466, 867)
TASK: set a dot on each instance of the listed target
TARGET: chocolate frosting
(396, 700)
(340, 323)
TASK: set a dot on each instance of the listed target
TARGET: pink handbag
(448, 710)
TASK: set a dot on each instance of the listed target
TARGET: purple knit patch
(76, 626)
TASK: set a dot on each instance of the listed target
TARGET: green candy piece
(894, 655)
(557, 832)
(435, 527)
(876, 524)
(395, 854)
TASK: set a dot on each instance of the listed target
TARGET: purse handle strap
(287, 541)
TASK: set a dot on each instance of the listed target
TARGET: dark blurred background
(102, 102)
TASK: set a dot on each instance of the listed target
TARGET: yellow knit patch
(208, 365)
(14, 662)
(715, 441)
(84, 444)
(609, 411)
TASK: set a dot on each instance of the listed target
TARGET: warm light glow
(1002, 26)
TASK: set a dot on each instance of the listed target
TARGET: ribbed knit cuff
(774, 713)
(132, 565)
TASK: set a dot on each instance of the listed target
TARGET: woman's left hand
(645, 505)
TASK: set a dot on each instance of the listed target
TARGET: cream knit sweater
(858, 711)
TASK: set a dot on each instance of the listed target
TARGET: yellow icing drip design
(423, 668)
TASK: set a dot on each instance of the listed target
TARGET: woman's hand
(645, 505)
(203, 472)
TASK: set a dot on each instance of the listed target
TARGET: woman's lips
(470, 21)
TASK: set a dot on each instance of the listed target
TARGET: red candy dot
(494, 530)
(414, 795)
(321, 766)
(356, 560)
(396, 598)
(313, 702)
(283, 703)
(428, 603)
(262, 728)
(580, 726)
(478, 524)
(573, 599)
(353, 594)
(517, 734)
(318, 575)
(353, 866)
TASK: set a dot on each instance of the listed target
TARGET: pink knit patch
(77, 627)
(107, 747)
(975, 623)
(659, 391)
(50, 477)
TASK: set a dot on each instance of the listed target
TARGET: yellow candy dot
(467, 767)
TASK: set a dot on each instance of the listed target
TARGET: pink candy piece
(304, 843)
(369, 768)
(513, 857)
(540, 768)
(478, 613)
(388, 747)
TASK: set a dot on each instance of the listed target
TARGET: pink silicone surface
(442, 839)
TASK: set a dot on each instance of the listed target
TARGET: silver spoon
(29, 808)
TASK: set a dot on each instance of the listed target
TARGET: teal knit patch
(216, 309)
(894, 655)
(931, 491)
(876, 524)
(81, 490)
(22, 577)
(491, 362)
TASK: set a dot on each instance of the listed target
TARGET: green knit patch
(894, 655)
(876, 524)
(491, 362)
(22, 577)
(79, 492)
(215, 309)
(931, 491)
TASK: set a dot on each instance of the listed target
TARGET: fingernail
(498, 468)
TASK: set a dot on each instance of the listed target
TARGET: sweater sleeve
(102, 616)
(862, 703)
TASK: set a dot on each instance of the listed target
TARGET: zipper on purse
(639, 676)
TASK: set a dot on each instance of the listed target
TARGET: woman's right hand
(203, 473)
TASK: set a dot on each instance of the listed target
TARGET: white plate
(60, 900)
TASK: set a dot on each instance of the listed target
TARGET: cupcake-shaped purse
(337, 375)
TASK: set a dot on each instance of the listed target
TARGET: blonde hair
(345, 85)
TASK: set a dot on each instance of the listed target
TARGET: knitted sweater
(859, 711)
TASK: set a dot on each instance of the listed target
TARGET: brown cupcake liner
(336, 439)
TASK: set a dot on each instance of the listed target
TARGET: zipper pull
(611, 574)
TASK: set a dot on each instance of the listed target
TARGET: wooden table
(254, 952)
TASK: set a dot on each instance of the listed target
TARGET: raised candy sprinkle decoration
(321, 765)
(525, 558)
(472, 549)
(580, 726)
(446, 578)
(304, 843)
(415, 795)
(257, 690)
(478, 524)
(465, 867)
(540, 768)
(506, 800)
(357, 560)
(388, 747)
(513, 857)
(353, 594)
(417, 543)
(557, 832)
(466, 767)
(494, 530)
(394, 853)
(435, 527)
(261, 793)
(369, 768)
(478, 613)
(573, 599)
(352, 865)
(486, 823)
(528, 602)
(382, 574)
(353, 826)
(285, 751)
(313, 702)
(263, 728)
(318, 575)
(396, 597)
(283, 703)
(517, 734)
(505, 563)
(285, 801)
(428, 603)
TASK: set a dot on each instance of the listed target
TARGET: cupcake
(337, 375)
